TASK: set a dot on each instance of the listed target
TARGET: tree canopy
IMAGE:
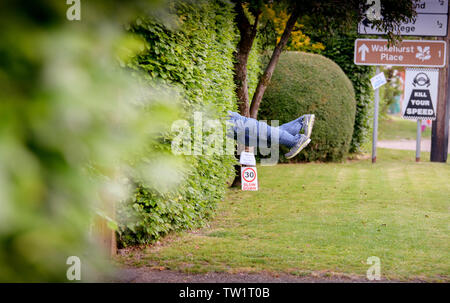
(343, 13)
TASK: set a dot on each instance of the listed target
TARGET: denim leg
(245, 130)
(287, 139)
(249, 131)
(293, 127)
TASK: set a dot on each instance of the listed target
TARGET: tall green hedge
(197, 57)
(307, 83)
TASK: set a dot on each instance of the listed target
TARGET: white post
(375, 122)
(418, 137)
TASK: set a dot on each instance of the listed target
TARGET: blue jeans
(252, 132)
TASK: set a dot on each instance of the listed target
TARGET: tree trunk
(265, 78)
(237, 172)
(247, 37)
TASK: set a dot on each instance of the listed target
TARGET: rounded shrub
(312, 84)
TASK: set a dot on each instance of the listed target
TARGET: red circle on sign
(254, 174)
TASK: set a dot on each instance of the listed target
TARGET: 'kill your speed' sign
(421, 92)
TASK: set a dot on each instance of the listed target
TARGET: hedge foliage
(197, 57)
(308, 83)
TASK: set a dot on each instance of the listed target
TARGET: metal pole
(375, 122)
(419, 135)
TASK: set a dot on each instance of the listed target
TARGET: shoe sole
(299, 149)
(310, 125)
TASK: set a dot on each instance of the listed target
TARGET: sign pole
(418, 138)
(440, 128)
(375, 122)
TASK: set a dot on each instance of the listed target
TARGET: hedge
(197, 57)
(341, 51)
(307, 83)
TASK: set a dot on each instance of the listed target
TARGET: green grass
(396, 128)
(327, 218)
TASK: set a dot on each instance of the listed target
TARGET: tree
(341, 12)
(274, 23)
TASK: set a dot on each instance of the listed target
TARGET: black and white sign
(249, 178)
(421, 92)
(431, 6)
(431, 20)
(425, 25)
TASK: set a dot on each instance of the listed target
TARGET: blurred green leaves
(73, 128)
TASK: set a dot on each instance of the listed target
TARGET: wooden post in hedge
(102, 232)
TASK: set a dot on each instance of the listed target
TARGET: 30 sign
(249, 178)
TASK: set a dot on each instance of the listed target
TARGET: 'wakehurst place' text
(392, 53)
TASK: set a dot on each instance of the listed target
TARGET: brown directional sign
(425, 53)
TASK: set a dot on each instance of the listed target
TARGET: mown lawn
(396, 128)
(327, 218)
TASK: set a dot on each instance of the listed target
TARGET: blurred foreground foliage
(72, 127)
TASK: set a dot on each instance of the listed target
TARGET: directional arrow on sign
(363, 49)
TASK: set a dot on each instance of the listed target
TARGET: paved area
(149, 275)
(407, 144)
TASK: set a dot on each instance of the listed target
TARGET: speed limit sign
(249, 178)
